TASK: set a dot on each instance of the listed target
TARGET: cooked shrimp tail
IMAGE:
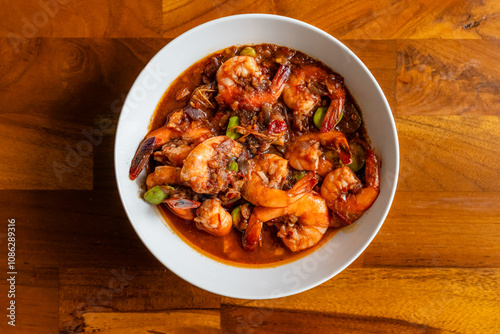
(372, 170)
(279, 81)
(141, 156)
(151, 142)
(183, 208)
(342, 148)
(336, 93)
(253, 233)
(302, 187)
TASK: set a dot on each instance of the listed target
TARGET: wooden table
(65, 67)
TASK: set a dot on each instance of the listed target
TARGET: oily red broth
(229, 250)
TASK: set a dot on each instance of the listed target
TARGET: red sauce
(229, 249)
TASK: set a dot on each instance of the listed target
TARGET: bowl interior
(170, 62)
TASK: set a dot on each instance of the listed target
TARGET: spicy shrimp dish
(257, 155)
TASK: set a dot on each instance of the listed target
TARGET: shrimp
(177, 128)
(174, 152)
(265, 175)
(243, 85)
(305, 153)
(205, 168)
(308, 220)
(164, 175)
(303, 92)
(213, 218)
(345, 194)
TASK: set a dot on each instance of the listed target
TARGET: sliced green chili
(155, 195)
(233, 165)
(248, 51)
(319, 116)
(230, 132)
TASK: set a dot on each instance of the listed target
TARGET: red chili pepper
(276, 127)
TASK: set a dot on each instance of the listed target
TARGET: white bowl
(166, 245)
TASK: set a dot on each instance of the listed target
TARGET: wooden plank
(439, 229)
(81, 77)
(74, 229)
(420, 19)
(43, 153)
(36, 300)
(94, 290)
(359, 20)
(180, 16)
(386, 19)
(446, 300)
(104, 168)
(240, 319)
(375, 54)
(448, 77)
(65, 18)
(183, 321)
(449, 153)
(380, 58)
(50, 131)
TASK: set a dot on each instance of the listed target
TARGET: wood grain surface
(65, 69)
